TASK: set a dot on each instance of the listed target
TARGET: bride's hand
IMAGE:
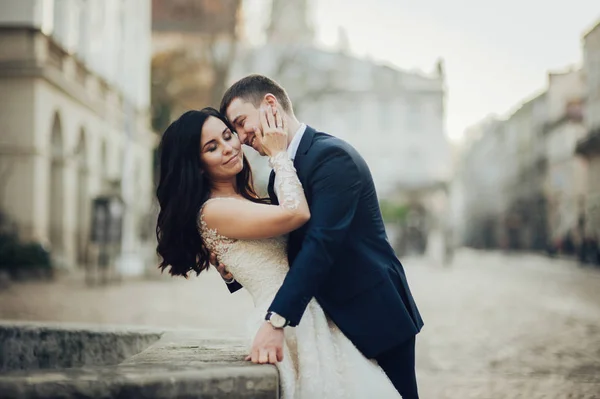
(272, 135)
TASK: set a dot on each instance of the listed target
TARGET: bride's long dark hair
(182, 189)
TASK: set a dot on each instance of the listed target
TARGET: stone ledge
(181, 364)
(31, 346)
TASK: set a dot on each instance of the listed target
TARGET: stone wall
(60, 361)
(33, 346)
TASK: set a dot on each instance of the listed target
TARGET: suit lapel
(297, 236)
(305, 143)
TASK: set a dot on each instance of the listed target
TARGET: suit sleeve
(335, 187)
(234, 286)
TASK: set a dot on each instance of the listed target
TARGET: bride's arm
(248, 220)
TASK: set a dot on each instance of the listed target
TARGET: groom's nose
(242, 136)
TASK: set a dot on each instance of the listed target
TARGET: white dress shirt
(293, 147)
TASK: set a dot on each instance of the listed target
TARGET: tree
(191, 70)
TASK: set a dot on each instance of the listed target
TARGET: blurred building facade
(527, 181)
(479, 193)
(74, 78)
(523, 181)
(566, 177)
(589, 146)
(526, 212)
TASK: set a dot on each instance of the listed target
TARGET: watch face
(277, 320)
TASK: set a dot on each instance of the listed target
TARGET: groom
(342, 256)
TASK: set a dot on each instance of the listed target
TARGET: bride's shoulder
(216, 205)
(213, 212)
(214, 200)
(217, 210)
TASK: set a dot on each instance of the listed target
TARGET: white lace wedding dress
(319, 361)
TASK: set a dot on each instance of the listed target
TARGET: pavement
(496, 325)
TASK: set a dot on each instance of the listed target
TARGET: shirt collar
(293, 147)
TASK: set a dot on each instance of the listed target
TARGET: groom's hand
(221, 268)
(268, 345)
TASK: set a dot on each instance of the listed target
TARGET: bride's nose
(227, 149)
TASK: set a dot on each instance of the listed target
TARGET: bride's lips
(232, 158)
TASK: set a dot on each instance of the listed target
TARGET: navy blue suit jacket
(342, 256)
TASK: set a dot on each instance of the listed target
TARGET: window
(413, 116)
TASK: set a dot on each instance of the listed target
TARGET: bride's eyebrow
(207, 143)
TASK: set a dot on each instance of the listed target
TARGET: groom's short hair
(253, 88)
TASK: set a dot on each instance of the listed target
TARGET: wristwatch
(277, 321)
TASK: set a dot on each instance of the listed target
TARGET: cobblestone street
(496, 326)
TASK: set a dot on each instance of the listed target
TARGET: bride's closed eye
(227, 136)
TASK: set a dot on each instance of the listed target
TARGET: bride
(208, 205)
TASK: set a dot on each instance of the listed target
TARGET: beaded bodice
(259, 265)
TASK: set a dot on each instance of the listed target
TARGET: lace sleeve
(215, 242)
(288, 187)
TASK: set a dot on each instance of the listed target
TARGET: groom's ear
(271, 99)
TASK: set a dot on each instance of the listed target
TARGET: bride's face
(220, 150)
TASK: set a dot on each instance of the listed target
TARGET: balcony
(28, 53)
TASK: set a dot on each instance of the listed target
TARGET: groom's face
(245, 118)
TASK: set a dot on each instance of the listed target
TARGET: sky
(496, 54)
